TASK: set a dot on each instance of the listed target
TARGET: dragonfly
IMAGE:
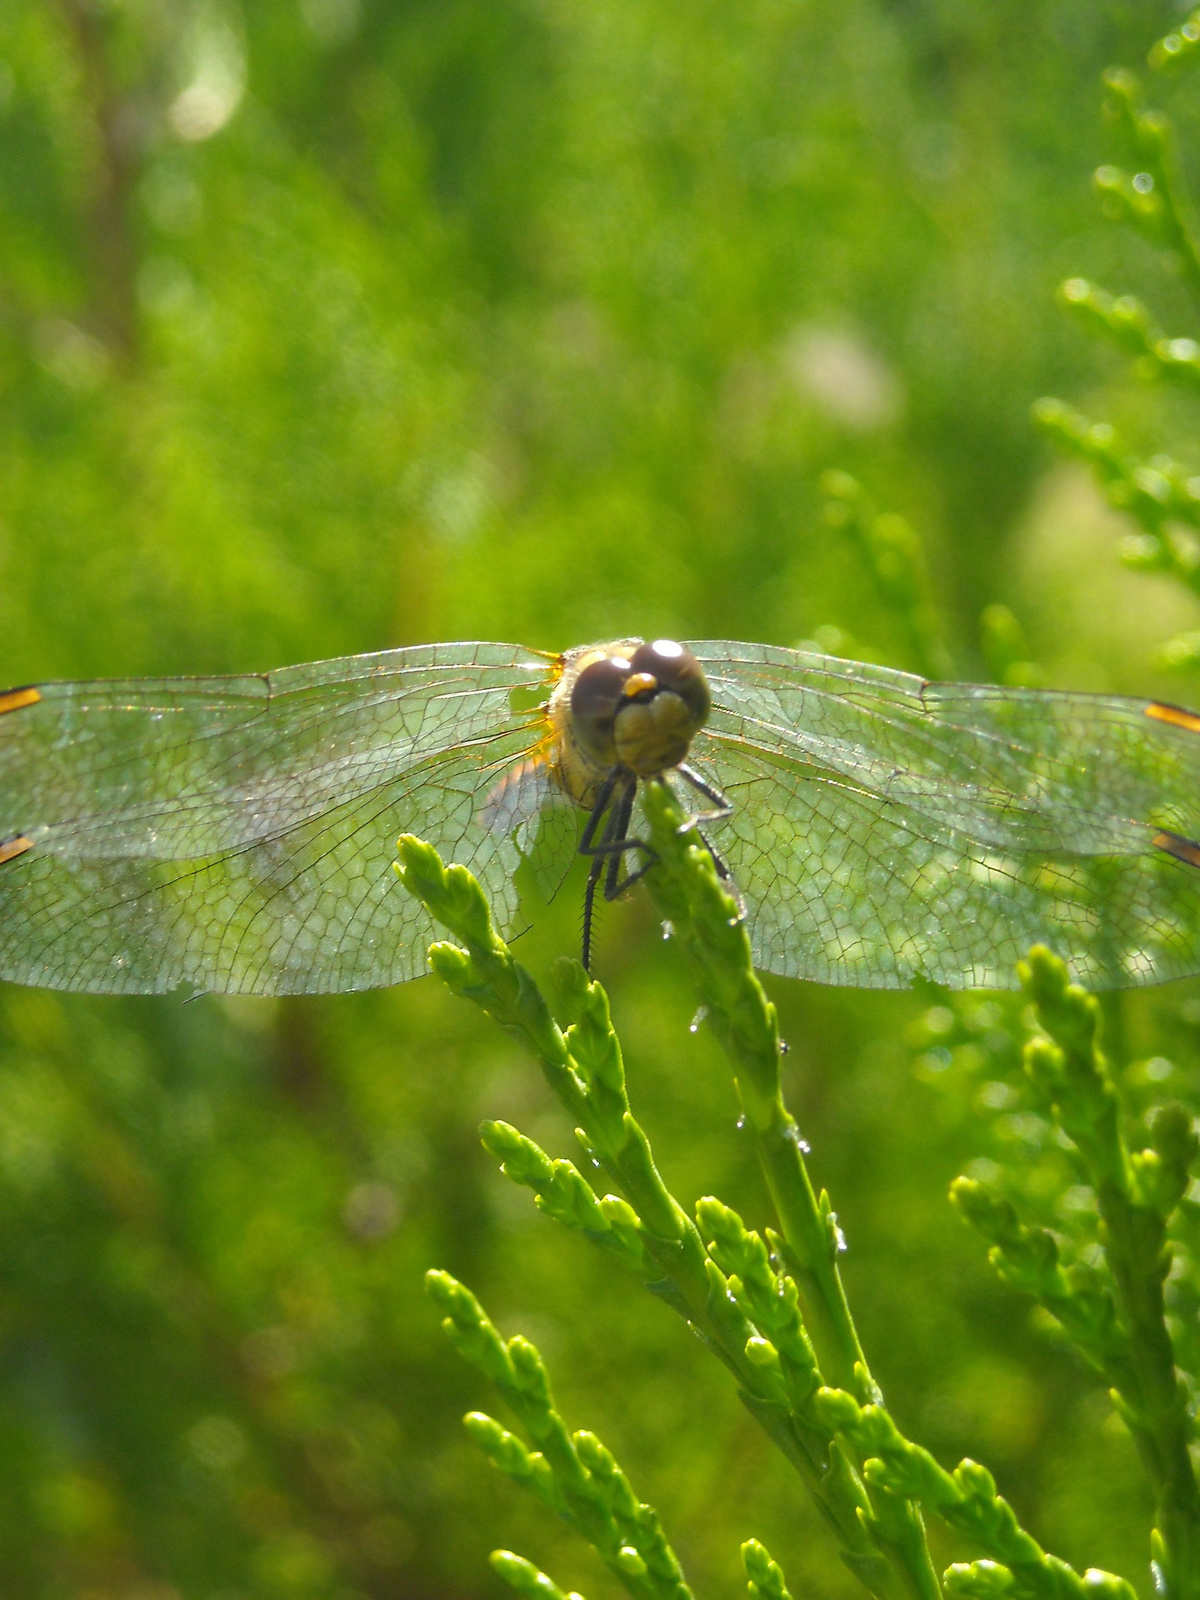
(237, 834)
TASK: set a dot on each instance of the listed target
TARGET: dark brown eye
(676, 668)
(597, 693)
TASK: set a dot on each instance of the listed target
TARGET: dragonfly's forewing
(885, 827)
(237, 834)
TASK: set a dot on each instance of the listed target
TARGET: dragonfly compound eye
(597, 693)
(666, 701)
(674, 667)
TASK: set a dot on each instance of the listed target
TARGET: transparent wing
(885, 827)
(238, 834)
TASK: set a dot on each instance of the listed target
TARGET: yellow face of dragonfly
(626, 704)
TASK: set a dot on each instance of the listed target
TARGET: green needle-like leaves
(967, 1501)
(525, 1578)
(563, 1193)
(1179, 48)
(706, 920)
(1028, 1259)
(1126, 322)
(771, 1307)
(1136, 1195)
(764, 1577)
(1157, 205)
(1117, 1318)
(773, 1359)
(645, 1224)
(769, 1300)
(1154, 494)
(893, 556)
(1160, 494)
(574, 1476)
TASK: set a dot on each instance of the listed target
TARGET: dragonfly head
(640, 707)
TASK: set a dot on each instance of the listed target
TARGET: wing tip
(1174, 716)
(17, 699)
(10, 849)
(1175, 844)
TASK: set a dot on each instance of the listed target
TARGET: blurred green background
(331, 325)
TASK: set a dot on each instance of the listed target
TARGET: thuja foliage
(894, 559)
(1148, 196)
(770, 1304)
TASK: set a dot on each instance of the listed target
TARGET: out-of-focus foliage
(333, 324)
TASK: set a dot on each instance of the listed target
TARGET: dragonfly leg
(589, 905)
(620, 843)
(722, 808)
(722, 805)
(614, 806)
(607, 853)
(596, 815)
(724, 874)
(616, 843)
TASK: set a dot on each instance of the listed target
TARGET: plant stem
(706, 920)
(1136, 1193)
(583, 1067)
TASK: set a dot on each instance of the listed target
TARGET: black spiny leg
(722, 805)
(597, 852)
(620, 842)
(618, 794)
(722, 808)
(615, 802)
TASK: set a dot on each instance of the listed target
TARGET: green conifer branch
(707, 922)
(1136, 1194)
(764, 1577)
(895, 559)
(967, 1501)
(1154, 200)
(1179, 48)
(562, 1192)
(526, 1579)
(769, 1300)
(1126, 322)
(1160, 494)
(510, 1455)
(584, 1067)
(574, 1476)
(1027, 1258)
(1154, 493)
(883, 1544)
(706, 919)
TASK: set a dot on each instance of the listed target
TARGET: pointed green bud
(420, 868)
(524, 1577)
(465, 909)
(570, 981)
(837, 1409)
(974, 1481)
(761, 1352)
(594, 1455)
(618, 1213)
(765, 1576)
(530, 1371)
(452, 965)
(979, 1580)
(1044, 1062)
